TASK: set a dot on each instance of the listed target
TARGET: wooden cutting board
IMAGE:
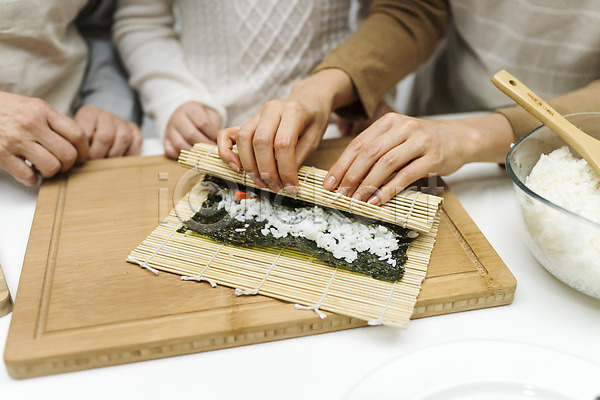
(81, 305)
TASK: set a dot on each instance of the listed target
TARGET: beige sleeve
(582, 100)
(392, 41)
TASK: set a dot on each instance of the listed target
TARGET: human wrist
(331, 88)
(489, 138)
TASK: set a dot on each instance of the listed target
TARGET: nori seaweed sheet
(218, 225)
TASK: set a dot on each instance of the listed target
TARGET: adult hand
(30, 129)
(108, 134)
(397, 150)
(353, 128)
(191, 123)
(275, 142)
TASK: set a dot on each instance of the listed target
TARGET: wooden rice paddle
(584, 144)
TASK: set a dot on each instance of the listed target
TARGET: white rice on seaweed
(343, 237)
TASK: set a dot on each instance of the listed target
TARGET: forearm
(394, 39)
(487, 138)
(581, 100)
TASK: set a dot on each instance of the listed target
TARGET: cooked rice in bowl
(559, 197)
(570, 252)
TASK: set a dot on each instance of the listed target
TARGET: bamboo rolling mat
(284, 274)
(412, 209)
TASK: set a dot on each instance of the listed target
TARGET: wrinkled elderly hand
(30, 129)
(108, 134)
(397, 150)
(191, 123)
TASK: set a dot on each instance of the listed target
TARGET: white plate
(482, 370)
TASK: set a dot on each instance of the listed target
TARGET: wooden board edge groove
(20, 369)
(459, 305)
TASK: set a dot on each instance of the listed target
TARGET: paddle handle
(581, 142)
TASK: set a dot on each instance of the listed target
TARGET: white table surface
(544, 312)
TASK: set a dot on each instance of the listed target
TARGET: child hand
(191, 123)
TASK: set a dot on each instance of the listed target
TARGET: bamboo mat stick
(411, 209)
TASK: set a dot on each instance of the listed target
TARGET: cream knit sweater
(230, 55)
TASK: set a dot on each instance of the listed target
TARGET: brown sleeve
(581, 100)
(390, 43)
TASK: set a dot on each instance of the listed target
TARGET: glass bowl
(565, 243)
